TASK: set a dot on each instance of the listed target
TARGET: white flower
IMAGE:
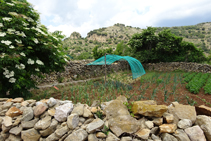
(2, 34)
(30, 61)
(37, 69)
(18, 41)
(55, 38)
(2, 55)
(11, 31)
(12, 80)
(22, 54)
(6, 42)
(11, 47)
(7, 19)
(39, 62)
(25, 24)
(26, 28)
(30, 19)
(13, 13)
(20, 34)
(1, 25)
(56, 63)
(36, 41)
(55, 46)
(21, 66)
(45, 43)
(65, 59)
(11, 4)
(58, 50)
(8, 74)
(54, 53)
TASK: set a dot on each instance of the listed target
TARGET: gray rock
(87, 113)
(195, 133)
(126, 139)
(143, 133)
(168, 137)
(7, 105)
(51, 102)
(29, 124)
(7, 122)
(30, 135)
(16, 130)
(52, 137)
(63, 111)
(149, 124)
(43, 123)
(72, 121)
(95, 125)
(40, 109)
(78, 109)
(13, 138)
(181, 135)
(79, 135)
(61, 131)
(204, 123)
(50, 129)
(28, 114)
(184, 123)
(112, 137)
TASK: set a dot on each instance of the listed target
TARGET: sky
(85, 15)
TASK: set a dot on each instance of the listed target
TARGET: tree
(26, 48)
(164, 47)
(122, 49)
(101, 52)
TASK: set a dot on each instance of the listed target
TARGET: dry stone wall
(56, 120)
(78, 70)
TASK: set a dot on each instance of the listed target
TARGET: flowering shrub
(26, 48)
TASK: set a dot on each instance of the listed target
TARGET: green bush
(27, 48)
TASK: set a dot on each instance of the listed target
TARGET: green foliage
(101, 52)
(164, 47)
(189, 77)
(84, 55)
(27, 48)
(129, 107)
(207, 87)
(122, 49)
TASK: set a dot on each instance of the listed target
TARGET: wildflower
(12, 80)
(58, 50)
(56, 63)
(20, 34)
(13, 13)
(21, 66)
(24, 24)
(11, 47)
(6, 42)
(26, 28)
(1, 25)
(11, 31)
(2, 34)
(18, 41)
(30, 19)
(8, 74)
(30, 61)
(39, 62)
(11, 4)
(65, 59)
(54, 53)
(55, 38)
(37, 69)
(36, 41)
(7, 19)
(22, 54)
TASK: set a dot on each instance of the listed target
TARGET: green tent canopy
(135, 65)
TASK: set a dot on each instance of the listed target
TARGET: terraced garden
(164, 87)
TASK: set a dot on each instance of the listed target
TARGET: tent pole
(105, 68)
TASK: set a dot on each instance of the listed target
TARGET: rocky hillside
(107, 37)
(57, 120)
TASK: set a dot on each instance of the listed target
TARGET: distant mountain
(107, 37)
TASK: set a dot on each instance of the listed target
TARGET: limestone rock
(204, 123)
(24, 103)
(40, 109)
(184, 123)
(168, 137)
(143, 133)
(203, 110)
(16, 130)
(51, 112)
(79, 135)
(30, 135)
(7, 105)
(140, 107)
(61, 131)
(63, 111)
(149, 124)
(72, 121)
(52, 137)
(78, 109)
(183, 112)
(43, 123)
(29, 124)
(51, 102)
(87, 113)
(169, 118)
(18, 100)
(158, 121)
(181, 135)
(7, 122)
(28, 114)
(120, 109)
(95, 125)
(13, 138)
(112, 137)
(123, 124)
(13, 112)
(168, 128)
(126, 139)
(100, 135)
(51, 129)
(195, 133)
(92, 137)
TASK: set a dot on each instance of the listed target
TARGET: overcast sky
(85, 15)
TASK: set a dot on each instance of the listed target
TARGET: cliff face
(98, 38)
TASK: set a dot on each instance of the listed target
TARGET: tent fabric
(136, 67)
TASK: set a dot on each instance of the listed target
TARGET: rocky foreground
(52, 120)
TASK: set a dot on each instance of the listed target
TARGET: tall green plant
(26, 48)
